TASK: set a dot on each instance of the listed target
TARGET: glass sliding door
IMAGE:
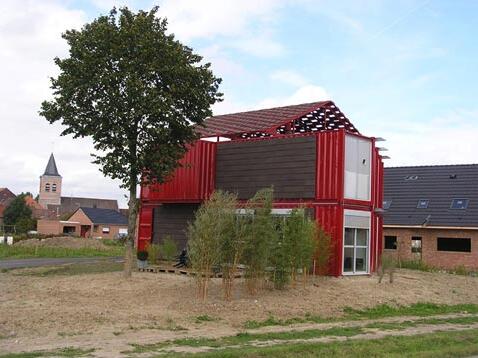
(356, 242)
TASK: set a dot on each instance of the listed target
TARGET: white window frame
(105, 230)
(360, 213)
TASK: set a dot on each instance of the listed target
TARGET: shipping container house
(311, 154)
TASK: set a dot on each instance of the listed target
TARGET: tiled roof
(258, 120)
(440, 184)
(105, 216)
(6, 196)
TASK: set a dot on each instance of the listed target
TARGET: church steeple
(50, 185)
(51, 168)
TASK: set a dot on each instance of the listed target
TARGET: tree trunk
(129, 245)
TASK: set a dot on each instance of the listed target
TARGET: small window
(95, 228)
(453, 244)
(386, 204)
(411, 177)
(459, 204)
(53, 187)
(416, 244)
(47, 187)
(106, 230)
(422, 204)
(390, 242)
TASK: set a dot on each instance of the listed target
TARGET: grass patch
(380, 311)
(273, 321)
(63, 352)
(442, 344)
(205, 318)
(22, 252)
(73, 269)
(417, 309)
(246, 338)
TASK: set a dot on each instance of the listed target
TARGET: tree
(19, 214)
(137, 92)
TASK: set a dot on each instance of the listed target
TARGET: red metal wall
(192, 182)
(331, 219)
(330, 165)
(145, 226)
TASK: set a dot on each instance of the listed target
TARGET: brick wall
(430, 255)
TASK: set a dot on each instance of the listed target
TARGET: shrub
(168, 249)
(259, 238)
(153, 253)
(388, 265)
(142, 255)
(323, 249)
(214, 220)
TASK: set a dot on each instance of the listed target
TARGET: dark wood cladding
(172, 220)
(287, 164)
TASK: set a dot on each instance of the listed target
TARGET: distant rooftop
(436, 195)
(104, 216)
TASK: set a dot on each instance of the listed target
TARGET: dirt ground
(39, 312)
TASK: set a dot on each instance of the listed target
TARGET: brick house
(99, 223)
(431, 214)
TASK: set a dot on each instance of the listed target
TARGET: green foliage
(260, 238)
(19, 214)
(213, 224)
(20, 252)
(168, 249)
(153, 254)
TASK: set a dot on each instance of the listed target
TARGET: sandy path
(103, 310)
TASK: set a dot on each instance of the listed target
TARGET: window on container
(459, 204)
(47, 187)
(106, 230)
(422, 204)
(53, 187)
(453, 244)
(386, 204)
(390, 242)
(416, 244)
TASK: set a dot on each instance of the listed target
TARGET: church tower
(50, 185)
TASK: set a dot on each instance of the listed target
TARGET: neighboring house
(100, 223)
(6, 197)
(50, 195)
(310, 153)
(432, 214)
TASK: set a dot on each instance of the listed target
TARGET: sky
(406, 71)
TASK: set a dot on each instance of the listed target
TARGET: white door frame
(358, 213)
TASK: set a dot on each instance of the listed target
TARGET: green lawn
(74, 269)
(436, 345)
(64, 352)
(21, 252)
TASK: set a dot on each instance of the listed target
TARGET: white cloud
(289, 77)
(30, 37)
(247, 24)
(448, 139)
(305, 94)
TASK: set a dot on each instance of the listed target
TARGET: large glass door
(356, 242)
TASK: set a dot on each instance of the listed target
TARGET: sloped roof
(51, 168)
(104, 216)
(264, 119)
(440, 184)
(6, 196)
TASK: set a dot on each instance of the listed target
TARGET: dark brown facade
(286, 164)
(174, 219)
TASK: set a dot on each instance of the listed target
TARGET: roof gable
(405, 186)
(104, 216)
(300, 118)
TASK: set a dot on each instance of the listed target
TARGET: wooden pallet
(159, 269)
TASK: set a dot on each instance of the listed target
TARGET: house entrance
(356, 242)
